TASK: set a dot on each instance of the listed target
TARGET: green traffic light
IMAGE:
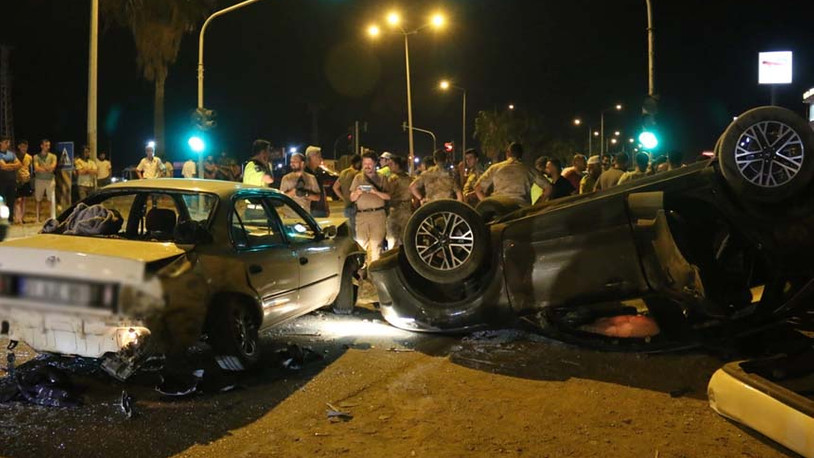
(197, 144)
(648, 140)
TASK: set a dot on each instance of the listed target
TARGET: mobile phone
(365, 187)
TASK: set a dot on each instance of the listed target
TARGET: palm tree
(157, 27)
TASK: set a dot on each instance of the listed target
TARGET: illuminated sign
(774, 67)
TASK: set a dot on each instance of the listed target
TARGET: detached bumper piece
(773, 397)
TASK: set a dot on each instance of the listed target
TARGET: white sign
(774, 67)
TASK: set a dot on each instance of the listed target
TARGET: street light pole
(602, 148)
(411, 155)
(201, 63)
(428, 132)
(93, 62)
(651, 51)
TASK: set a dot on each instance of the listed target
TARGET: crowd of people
(23, 175)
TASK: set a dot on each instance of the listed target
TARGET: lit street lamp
(394, 20)
(617, 107)
(511, 106)
(445, 85)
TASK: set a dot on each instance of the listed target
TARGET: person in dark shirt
(560, 187)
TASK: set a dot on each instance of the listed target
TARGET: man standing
(560, 186)
(642, 161)
(169, 169)
(44, 182)
(189, 170)
(299, 184)
(469, 170)
(9, 165)
(575, 173)
(606, 162)
(511, 178)
(150, 166)
(437, 182)
(369, 192)
(588, 182)
(313, 155)
(24, 186)
(384, 164)
(342, 189)
(104, 169)
(257, 170)
(401, 202)
(86, 171)
(610, 178)
(211, 168)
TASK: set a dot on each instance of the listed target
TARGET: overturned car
(725, 240)
(151, 266)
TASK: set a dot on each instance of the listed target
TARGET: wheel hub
(769, 154)
(444, 241)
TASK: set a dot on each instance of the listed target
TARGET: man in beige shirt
(511, 178)
(86, 171)
(299, 184)
(369, 192)
(401, 201)
(438, 182)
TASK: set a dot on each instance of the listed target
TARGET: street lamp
(201, 62)
(436, 21)
(617, 107)
(511, 106)
(445, 85)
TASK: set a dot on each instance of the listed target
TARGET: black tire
(428, 247)
(234, 337)
(348, 291)
(493, 208)
(771, 137)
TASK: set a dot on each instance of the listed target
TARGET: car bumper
(72, 331)
(776, 412)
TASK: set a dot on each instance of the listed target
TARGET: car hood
(83, 257)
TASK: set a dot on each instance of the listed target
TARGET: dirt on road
(504, 392)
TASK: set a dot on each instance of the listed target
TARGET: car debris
(294, 356)
(180, 385)
(335, 414)
(47, 386)
(126, 404)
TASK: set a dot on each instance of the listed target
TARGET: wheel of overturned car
(493, 208)
(446, 241)
(348, 290)
(766, 154)
(234, 336)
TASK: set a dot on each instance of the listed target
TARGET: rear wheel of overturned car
(766, 154)
(234, 336)
(348, 290)
(446, 241)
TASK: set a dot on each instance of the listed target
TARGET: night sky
(267, 63)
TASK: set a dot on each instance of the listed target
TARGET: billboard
(774, 67)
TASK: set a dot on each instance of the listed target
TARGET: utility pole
(356, 138)
(651, 51)
(93, 62)
(6, 112)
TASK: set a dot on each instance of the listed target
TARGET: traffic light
(449, 147)
(204, 118)
(196, 143)
(649, 137)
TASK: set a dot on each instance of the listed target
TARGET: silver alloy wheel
(243, 329)
(444, 241)
(769, 154)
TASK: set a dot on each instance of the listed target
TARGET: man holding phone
(368, 192)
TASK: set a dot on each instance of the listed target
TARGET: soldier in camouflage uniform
(401, 201)
(512, 178)
(469, 170)
(438, 182)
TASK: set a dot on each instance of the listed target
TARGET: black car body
(691, 242)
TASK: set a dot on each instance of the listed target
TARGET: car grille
(59, 291)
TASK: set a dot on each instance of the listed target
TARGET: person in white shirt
(150, 166)
(104, 169)
(189, 170)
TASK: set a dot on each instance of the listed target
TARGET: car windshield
(146, 215)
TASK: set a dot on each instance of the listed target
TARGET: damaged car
(726, 240)
(150, 267)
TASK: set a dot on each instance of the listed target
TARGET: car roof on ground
(219, 187)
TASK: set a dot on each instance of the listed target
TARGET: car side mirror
(191, 233)
(329, 232)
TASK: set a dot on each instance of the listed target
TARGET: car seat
(160, 223)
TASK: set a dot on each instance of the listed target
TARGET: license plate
(79, 294)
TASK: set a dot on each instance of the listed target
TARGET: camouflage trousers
(396, 222)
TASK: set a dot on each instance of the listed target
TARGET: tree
(157, 27)
(496, 129)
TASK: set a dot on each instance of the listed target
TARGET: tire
(493, 208)
(348, 291)
(428, 239)
(767, 154)
(234, 336)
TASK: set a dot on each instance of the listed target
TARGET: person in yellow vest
(257, 170)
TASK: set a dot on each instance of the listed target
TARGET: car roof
(220, 187)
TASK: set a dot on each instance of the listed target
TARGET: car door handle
(255, 269)
(303, 261)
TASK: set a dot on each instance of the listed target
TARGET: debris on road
(400, 350)
(180, 385)
(295, 356)
(335, 414)
(126, 404)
